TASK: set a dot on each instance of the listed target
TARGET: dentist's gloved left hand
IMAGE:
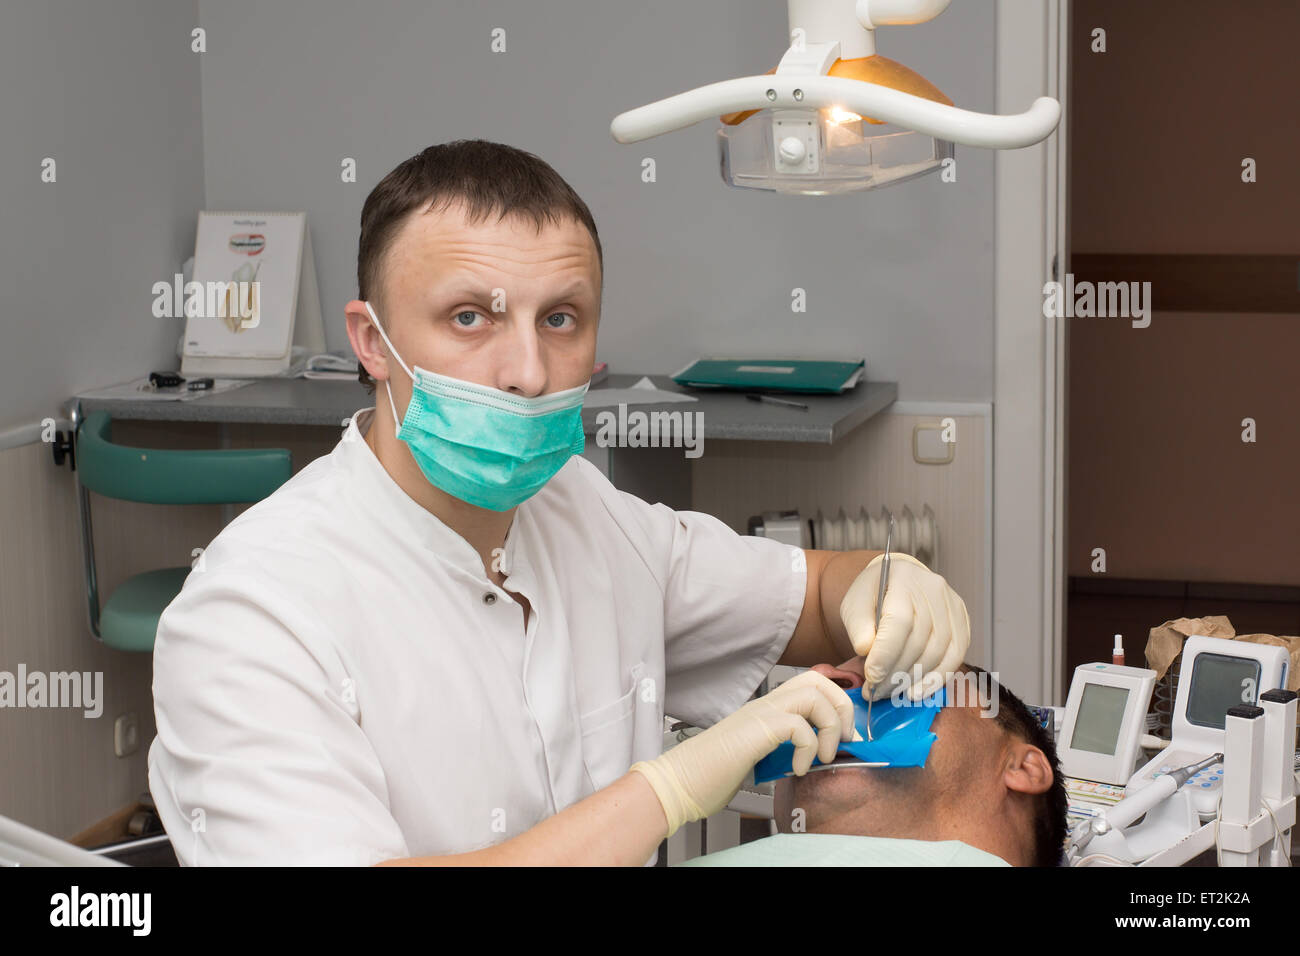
(699, 776)
(924, 627)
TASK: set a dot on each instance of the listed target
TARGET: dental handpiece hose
(1130, 808)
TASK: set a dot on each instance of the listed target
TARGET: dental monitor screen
(1220, 682)
(1101, 714)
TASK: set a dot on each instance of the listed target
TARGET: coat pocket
(608, 733)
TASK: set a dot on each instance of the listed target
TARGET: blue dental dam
(901, 730)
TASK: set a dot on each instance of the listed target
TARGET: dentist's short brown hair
(485, 178)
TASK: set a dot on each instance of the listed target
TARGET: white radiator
(917, 535)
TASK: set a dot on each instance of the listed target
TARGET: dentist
(451, 640)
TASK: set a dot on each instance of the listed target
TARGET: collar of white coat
(394, 507)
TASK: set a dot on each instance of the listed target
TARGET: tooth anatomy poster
(253, 296)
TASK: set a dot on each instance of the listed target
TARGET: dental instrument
(1133, 807)
(880, 604)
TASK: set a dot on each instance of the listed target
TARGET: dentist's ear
(367, 344)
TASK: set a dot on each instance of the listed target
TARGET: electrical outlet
(928, 446)
(126, 734)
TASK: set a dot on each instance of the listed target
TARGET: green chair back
(129, 618)
(176, 476)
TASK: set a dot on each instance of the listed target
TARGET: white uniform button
(489, 598)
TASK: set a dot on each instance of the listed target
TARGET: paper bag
(1165, 643)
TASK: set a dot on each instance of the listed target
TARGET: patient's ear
(1028, 770)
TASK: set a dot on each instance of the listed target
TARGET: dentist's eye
(459, 319)
(562, 316)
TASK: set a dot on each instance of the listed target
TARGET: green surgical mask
(483, 445)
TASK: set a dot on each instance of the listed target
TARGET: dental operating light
(835, 117)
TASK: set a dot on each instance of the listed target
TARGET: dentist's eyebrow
(575, 289)
(580, 291)
(460, 293)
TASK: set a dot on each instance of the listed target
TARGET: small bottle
(1117, 655)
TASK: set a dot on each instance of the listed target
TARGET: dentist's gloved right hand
(924, 628)
(699, 776)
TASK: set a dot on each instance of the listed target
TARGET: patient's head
(991, 780)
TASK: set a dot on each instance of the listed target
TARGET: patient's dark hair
(1049, 821)
(487, 178)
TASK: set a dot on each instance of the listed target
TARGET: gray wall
(903, 277)
(146, 133)
(110, 91)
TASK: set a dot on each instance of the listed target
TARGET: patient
(990, 794)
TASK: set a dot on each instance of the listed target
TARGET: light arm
(865, 99)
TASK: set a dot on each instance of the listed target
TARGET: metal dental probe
(880, 604)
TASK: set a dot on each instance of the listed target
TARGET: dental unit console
(1214, 679)
(1225, 780)
(1105, 717)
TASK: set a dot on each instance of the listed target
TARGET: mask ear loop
(388, 388)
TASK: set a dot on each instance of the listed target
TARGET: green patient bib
(833, 849)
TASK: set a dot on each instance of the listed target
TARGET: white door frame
(1029, 573)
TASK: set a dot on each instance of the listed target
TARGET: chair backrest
(175, 476)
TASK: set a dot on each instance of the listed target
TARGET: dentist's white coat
(340, 683)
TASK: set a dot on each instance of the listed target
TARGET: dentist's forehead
(517, 241)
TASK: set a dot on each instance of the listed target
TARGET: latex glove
(699, 776)
(924, 628)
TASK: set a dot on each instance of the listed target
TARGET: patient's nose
(844, 678)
